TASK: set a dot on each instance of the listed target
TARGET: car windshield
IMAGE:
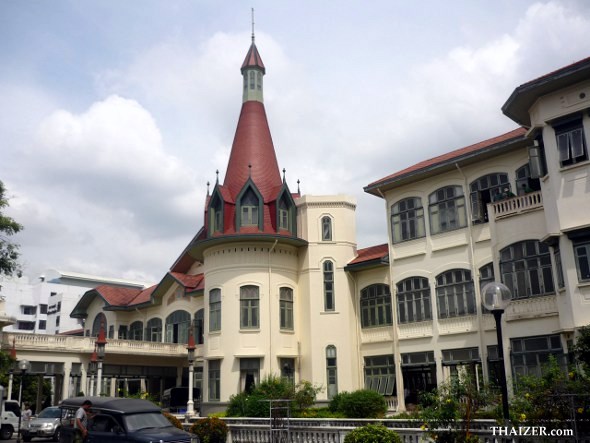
(135, 422)
(50, 413)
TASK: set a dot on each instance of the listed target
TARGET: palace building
(273, 283)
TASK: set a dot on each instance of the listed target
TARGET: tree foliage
(8, 250)
(363, 403)
(376, 433)
(582, 347)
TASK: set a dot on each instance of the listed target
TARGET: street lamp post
(190, 405)
(23, 367)
(496, 298)
(100, 343)
(92, 371)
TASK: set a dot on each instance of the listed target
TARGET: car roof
(113, 404)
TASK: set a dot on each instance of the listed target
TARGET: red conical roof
(253, 59)
(253, 154)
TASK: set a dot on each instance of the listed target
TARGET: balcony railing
(518, 204)
(75, 344)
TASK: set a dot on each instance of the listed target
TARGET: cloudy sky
(115, 114)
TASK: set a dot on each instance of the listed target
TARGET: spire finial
(217, 178)
(207, 189)
(298, 190)
(252, 25)
(284, 170)
(250, 170)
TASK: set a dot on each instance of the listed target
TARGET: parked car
(115, 419)
(9, 416)
(47, 424)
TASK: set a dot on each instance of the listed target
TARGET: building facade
(273, 283)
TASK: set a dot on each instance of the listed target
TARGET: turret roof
(253, 60)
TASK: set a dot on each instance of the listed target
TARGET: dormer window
(249, 209)
(283, 215)
(216, 215)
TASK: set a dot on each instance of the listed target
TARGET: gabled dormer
(215, 212)
(286, 211)
(249, 208)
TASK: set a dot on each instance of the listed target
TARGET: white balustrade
(517, 204)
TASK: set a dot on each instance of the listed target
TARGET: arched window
(485, 190)
(199, 331)
(136, 331)
(215, 310)
(331, 371)
(447, 209)
(526, 269)
(376, 306)
(329, 302)
(326, 228)
(249, 307)
(249, 208)
(407, 220)
(153, 330)
(100, 318)
(413, 300)
(454, 293)
(177, 325)
(286, 308)
(486, 275)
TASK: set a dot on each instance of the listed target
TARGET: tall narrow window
(326, 229)
(559, 267)
(571, 141)
(582, 254)
(331, 371)
(249, 307)
(447, 209)
(249, 374)
(215, 310)
(407, 220)
(413, 300)
(283, 214)
(216, 215)
(484, 190)
(486, 275)
(252, 74)
(526, 269)
(136, 331)
(199, 327)
(214, 380)
(98, 320)
(286, 309)
(249, 209)
(454, 293)
(329, 302)
(376, 306)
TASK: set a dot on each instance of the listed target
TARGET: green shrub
(173, 420)
(373, 434)
(362, 404)
(210, 430)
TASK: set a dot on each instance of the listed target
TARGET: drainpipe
(270, 358)
(397, 356)
(475, 277)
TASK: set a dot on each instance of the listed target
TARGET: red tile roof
(190, 282)
(448, 157)
(117, 296)
(371, 253)
(253, 154)
(253, 59)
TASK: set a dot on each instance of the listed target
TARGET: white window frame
(407, 220)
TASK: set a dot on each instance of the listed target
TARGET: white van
(9, 418)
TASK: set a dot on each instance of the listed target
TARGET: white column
(65, 390)
(99, 378)
(9, 394)
(190, 405)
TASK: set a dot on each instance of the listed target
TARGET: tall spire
(253, 70)
(253, 154)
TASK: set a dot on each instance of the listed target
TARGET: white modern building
(43, 306)
(273, 283)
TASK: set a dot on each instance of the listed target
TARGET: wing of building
(273, 282)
